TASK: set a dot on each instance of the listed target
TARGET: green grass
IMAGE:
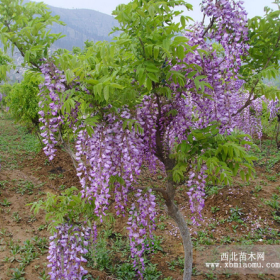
(23, 255)
(108, 246)
(16, 142)
(17, 138)
(268, 155)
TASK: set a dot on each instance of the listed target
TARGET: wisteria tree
(153, 98)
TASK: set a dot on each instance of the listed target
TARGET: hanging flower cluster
(111, 151)
(65, 252)
(196, 193)
(146, 116)
(249, 120)
(53, 85)
(139, 226)
(231, 31)
(273, 107)
(116, 151)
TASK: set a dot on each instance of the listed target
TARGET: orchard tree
(152, 98)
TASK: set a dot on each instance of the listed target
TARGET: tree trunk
(169, 195)
(177, 216)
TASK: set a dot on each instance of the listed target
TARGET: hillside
(82, 25)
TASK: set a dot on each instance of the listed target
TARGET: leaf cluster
(152, 43)
(5, 90)
(224, 155)
(6, 64)
(67, 207)
(23, 99)
(263, 56)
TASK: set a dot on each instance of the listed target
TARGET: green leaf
(190, 138)
(197, 81)
(106, 92)
(180, 39)
(69, 74)
(151, 67)
(91, 121)
(191, 74)
(98, 89)
(183, 21)
(156, 52)
(92, 82)
(242, 174)
(149, 50)
(180, 52)
(114, 85)
(148, 84)
(68, 105)
(152, 77)
(141, 77)
(166, 43)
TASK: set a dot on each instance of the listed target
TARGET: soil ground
(245, 213)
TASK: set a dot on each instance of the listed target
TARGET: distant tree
(23, 100)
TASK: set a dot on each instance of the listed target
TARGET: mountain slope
(82, 25)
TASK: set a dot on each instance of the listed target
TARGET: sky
(253, 7)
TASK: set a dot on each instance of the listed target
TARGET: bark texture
(177, 216)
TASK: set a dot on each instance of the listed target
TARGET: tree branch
(203, 19)
(19, 48)
(67, 148)
(143, 47)
(249, 100)
(209, 26)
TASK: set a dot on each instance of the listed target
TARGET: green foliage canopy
(23, 99)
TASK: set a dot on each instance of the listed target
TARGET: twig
(209, 26)
(203, 19)
(67, 149)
